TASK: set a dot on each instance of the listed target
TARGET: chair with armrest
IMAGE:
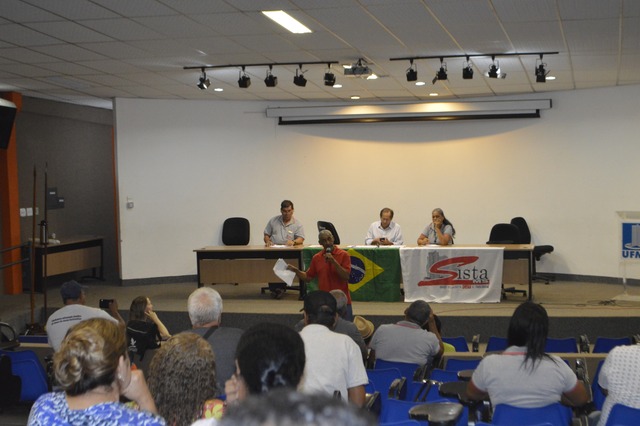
(406, 369)
(538, 250)
(604, 345)
(459, 342)
(496, 344)
(380, 380)
(597, 394)
(28, 367)
(556, 414)
(561, 345)
(622, 415)
(322, 225)
(506, 233)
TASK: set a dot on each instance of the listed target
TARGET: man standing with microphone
(332, 266)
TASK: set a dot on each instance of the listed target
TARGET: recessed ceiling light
(551, 77)
(355, 97)
(433, 94)
(287, 21)
(337, 86)
(372, 77)
(420, 83)
(218, 89)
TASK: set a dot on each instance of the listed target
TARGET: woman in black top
(144, 329)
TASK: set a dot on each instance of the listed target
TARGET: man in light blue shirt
(384, 232)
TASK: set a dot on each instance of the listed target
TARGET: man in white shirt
(384, 232)
(334, 362)
(74, 311)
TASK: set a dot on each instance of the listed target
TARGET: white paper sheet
(280, 269)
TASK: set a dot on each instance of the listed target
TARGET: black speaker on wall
(7, 117)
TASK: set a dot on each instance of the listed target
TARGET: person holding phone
(384, 232)
(440, 231)
(74, 311)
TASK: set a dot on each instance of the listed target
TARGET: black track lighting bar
(470, 55)
(268, 64)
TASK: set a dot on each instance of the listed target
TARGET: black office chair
(329, 227)
(538, 251)
(505, 233)
(236, 231)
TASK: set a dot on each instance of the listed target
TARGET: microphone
(328, 250)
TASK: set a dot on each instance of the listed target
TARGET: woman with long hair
(144, 328)
(93, 370)
(524, 375)
(440, 231)
(182, 380)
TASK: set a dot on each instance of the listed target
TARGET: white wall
(188, 165)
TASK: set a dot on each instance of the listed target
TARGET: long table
(242, 264)
(377, 271)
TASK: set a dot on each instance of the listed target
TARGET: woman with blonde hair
(182, 380)
(93, 370)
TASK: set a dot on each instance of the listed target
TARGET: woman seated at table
(144, 329)
(440, 231)
(93, 370)
(524, 375)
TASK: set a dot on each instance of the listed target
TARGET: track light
(541, 72)
(494, 69)
(244, 81)
(329, 77)
(442, 72)
(467, 70)
(270, 80)
(204, 82)
(299, 79)
(412, 71)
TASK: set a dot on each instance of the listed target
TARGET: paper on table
(280, 269)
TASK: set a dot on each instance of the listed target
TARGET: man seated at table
(413, 340)
(332, 266)
(284, 230)
(384, 232)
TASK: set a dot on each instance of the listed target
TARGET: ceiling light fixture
(412, 71)
(540, 71)
(204, 82)
(467, 70)
(270, 80)
(244, 81)
(329, 77)
(442, 72)
(299, 79)
(287, 21)
(494, 69)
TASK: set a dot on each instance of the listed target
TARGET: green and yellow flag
(375, 273)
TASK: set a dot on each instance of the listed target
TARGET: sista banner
(452, 275)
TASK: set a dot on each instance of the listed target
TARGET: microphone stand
(33, 327)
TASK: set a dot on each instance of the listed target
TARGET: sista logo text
(459, 270)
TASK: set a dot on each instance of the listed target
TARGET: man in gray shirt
(205, 312)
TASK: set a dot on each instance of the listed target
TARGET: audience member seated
(440, 231)
(334, 362)
(205, 312)
(365, 328)
(384, 232)
(74, 311)
(414, 340)
(343, 326)
(269, 356)
(289, 408)
(446, 346)
(182, 380)
(524, 375)
(620, 380)
(93, 370)
(144, 328)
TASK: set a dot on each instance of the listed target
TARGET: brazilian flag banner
(375, 273)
